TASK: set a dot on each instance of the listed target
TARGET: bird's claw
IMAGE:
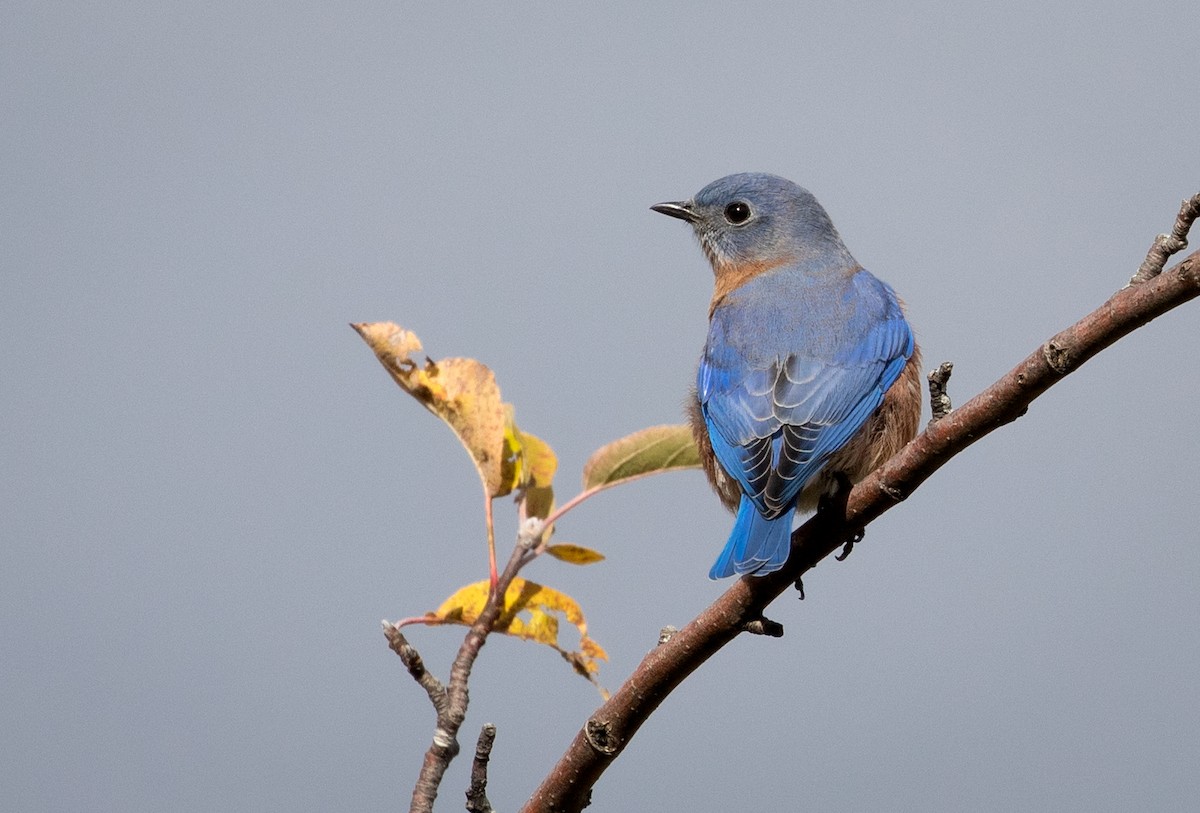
(855, 538)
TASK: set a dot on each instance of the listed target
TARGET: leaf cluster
(463, 392)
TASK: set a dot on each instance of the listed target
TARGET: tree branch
(607, 732)
(452, 708)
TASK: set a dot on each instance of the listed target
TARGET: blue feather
(756, 544)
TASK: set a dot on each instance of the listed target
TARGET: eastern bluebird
(809, 372)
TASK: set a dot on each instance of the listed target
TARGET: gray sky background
(210, 492)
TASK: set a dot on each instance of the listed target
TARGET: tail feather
(756, 544)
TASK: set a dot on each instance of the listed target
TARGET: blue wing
(781, 393)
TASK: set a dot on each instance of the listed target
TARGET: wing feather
(775, 421)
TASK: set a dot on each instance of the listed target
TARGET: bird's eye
(737, 213)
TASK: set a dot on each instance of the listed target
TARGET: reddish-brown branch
(610, 728)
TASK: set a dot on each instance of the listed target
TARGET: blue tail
(756, 545)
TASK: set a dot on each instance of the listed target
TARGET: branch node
(763, 626)
(446, 741)
(530, 533)
(939, 397)
(800, 586)
(895, 492)
(477, 800)
(598, 734)
(1057, 356)
(665, 634)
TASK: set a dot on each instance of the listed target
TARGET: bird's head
(758, 221)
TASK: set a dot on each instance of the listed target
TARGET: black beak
(679, 209)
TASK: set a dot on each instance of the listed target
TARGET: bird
(810, 374)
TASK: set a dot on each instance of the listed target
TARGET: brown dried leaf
(460, 391)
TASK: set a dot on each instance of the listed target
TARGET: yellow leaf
(511, 464)
(536, 464)
(463, 392)
(539, 461)
(590, 647)
(460, 391)
(542, 627)
(528, 468)
(575, 554)
(531, 611)
(659, 448)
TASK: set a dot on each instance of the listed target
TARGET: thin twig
(939, 397)
(557, 514)
(477, 800)
(1167, 244)
(568, 786)
(416, 667)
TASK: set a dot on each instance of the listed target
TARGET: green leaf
(539, 501)
(653, 450)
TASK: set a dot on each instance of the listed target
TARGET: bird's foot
(832, 506)
(854, 538)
